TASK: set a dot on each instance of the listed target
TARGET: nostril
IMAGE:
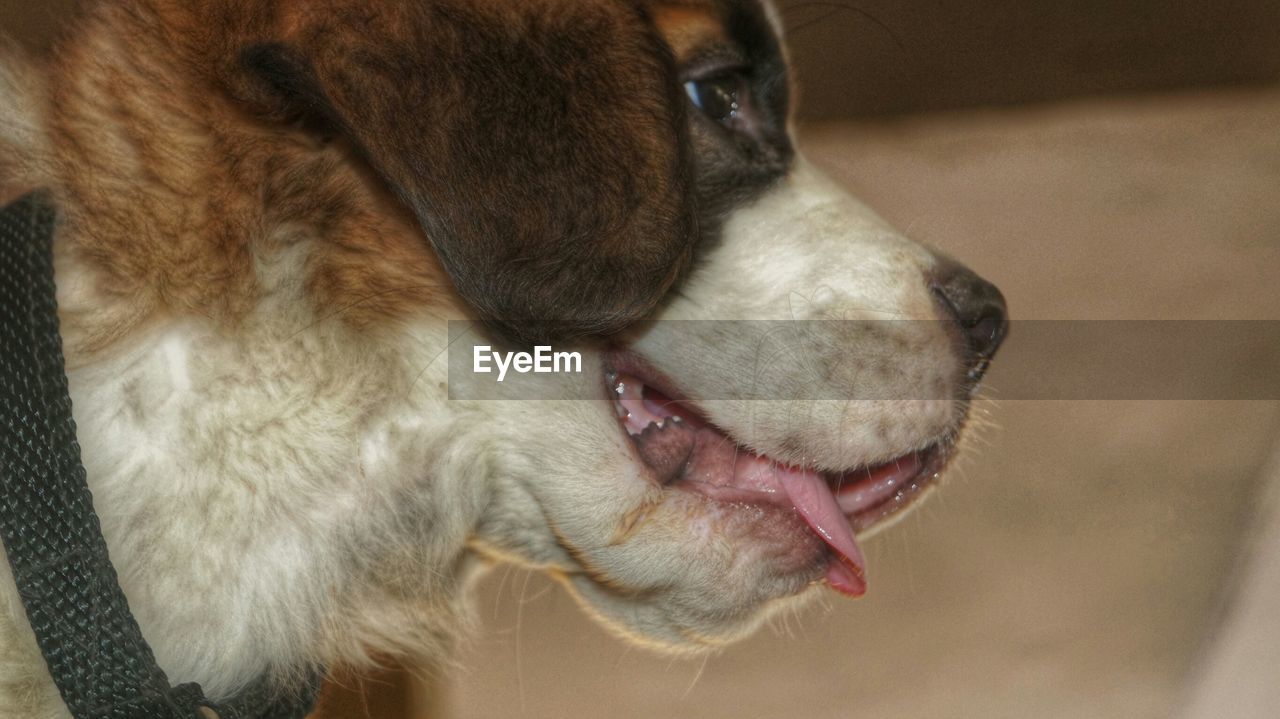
(976, 306)
(987, 330)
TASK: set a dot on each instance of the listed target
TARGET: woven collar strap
(102, 666)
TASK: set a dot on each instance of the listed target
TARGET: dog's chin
(727, 535)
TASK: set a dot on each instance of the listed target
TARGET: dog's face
(681, 524)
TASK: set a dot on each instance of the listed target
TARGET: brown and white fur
(268, 213)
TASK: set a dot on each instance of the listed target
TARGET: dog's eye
(721, 97)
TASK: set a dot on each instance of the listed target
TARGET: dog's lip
(887, 489)
(671, 438)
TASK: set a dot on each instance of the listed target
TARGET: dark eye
(720, 97)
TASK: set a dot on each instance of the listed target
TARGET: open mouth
(684, 451)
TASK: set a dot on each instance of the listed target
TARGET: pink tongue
(811, 496)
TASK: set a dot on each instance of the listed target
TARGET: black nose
(976, 306)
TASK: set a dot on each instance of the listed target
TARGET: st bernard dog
(269, 213)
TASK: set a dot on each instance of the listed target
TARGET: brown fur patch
(689, 26)
(170, 192)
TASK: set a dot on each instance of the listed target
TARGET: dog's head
(716, 479)
(591, 163)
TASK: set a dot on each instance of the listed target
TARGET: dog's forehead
(686, 26)
(689, 25)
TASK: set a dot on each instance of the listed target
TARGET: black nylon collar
(98, 658)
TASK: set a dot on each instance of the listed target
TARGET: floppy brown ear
(538, 142)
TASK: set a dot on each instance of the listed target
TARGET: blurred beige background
(1096, 559)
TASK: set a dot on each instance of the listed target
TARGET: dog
(270, 216)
